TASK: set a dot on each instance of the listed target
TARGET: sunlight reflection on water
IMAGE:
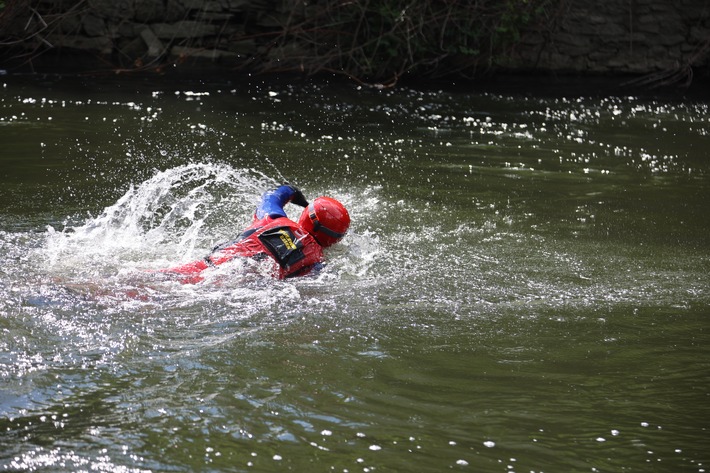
(524, 287)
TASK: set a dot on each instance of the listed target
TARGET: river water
(525, 287)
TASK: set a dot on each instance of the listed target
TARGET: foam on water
(173, 213)
(88, 296)
(489, 308)
(176, 216)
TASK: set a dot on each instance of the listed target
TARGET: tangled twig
(377, 43)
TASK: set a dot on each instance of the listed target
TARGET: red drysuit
(295, 252)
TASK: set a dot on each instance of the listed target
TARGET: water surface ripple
(525, 286)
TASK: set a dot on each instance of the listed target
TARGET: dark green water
(525, 287)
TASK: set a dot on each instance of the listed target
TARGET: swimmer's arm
(274, 201)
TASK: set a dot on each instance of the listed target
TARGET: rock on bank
(670, 40)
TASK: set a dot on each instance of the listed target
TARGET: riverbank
(657, 43)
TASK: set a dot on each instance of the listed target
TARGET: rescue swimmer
(296, 248)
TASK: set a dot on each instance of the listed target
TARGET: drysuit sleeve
(273, 201)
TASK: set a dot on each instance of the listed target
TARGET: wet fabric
(271, 235)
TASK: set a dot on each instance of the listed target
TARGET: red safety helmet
(326, 219)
